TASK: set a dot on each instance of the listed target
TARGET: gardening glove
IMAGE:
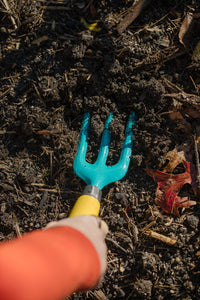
(68, 256)
(94, 229)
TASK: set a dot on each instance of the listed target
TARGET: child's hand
(94, 229)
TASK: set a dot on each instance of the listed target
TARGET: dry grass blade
(7, 6)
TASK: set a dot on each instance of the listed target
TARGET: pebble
(193, 221)
(121, 269)
(119, 196)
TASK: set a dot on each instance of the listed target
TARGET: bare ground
(53, 69)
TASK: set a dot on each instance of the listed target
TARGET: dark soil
(53, 70)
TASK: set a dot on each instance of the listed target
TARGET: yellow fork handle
(85, 205)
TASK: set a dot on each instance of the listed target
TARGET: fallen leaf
(175, 158)
(175, 115)
(132, 13)
(92, 27)
(169, 186)
(185, 28)
(193, 113)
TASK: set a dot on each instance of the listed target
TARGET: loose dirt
(53, 70)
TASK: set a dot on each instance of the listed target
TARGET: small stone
(143, 288)
(178, 260)
(62, 215)
(121, 269)
(193, 221)
(119, 196)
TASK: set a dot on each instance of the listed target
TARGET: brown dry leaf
(132, 13)
(185, 28)
(175, 158)
(175, 115)
(193, 113)
(182, 124)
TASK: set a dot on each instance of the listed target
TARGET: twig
(48, 190)
(69, 89)
(54, 2)
(7, 132)
(56, 8)
(182, 96)
(24, 211)
(195, 86)
(51, 166)
(16, 226)
(5, 3)
(197, 161)
(115, 243)
(165, 239)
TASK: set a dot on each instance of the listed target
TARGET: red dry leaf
(169, 186)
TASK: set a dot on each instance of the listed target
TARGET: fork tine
(105, 142)
(128, 142)
(118, 171)
(83, 144)
(80, 164)
(121, 167)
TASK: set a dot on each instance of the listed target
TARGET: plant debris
(53, 70)
(169, 185)
(186, 28)
(132, 13)
(165, 239)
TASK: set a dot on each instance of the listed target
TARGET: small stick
(195, 86)
(16, 226)
(165, 239)
(51, 166)
(69, 89)
(48, 190)
(115, 243)
(197, 162)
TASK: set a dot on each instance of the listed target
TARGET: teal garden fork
(97, 175)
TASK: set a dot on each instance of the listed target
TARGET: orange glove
(70, 255)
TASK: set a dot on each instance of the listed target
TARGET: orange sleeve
(47, 265)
